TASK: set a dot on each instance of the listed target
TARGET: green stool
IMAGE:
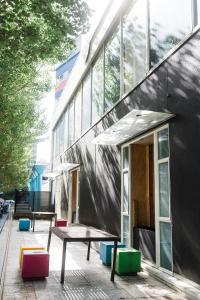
(128, 261)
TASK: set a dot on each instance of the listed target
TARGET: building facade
(126, 133)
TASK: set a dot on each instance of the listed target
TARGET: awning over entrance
(131, 125)
(67, 166)
(52, 174)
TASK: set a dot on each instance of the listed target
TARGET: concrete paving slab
(84, 280)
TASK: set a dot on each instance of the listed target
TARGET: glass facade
(71, 123)
(166, 29)
(163, 147)
(165, 246)
(86, 104)
(78, 104)
(164, 189)
(125, 193)
(112, 70)
(134, 45)
(148, 33)
(98, 88)
(66, 134)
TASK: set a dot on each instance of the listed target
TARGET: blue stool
(24, 224)
(105, 251)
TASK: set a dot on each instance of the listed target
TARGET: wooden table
(49, 214)
(82, 233)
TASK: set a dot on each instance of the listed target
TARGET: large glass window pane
(61, 135)
(197, 9)
(57, 141)
(125, 158)
(112, 70)
(97, 89)
(78, 103)
(66, 131)
(86, 104)
(126, 230)
(54, 144)
(71, 123)
(170, 22)
(165, 246)
(164, 190)
(163, 145)
(134, 44)
(125, 193)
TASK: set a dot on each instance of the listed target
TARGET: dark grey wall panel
(173, 87)
(184, 100)
(108, 187)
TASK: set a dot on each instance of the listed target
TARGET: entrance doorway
(142, 196)
(145, 205)
(73, 209)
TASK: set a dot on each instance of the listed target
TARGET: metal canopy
(52, 174)
(133, 124)
(67, 166)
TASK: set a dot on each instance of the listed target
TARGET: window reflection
(66, 134)
(165, 246)
(166, 29)
(71, 123)
(97, 89)
(164, 189)
(86, 104)
(112, 69)
(134, 44)
(78, 103)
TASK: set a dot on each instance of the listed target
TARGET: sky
(47, 104)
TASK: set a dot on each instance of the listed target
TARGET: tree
(32, 33)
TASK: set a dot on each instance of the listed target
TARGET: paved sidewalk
(83, 280)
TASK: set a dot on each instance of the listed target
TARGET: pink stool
(61, 223)
(35, 264)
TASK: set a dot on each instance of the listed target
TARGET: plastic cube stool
(105, 251)
(61, 223)
(128, 261)
(28, 247)
(24, 224)
(35, 264)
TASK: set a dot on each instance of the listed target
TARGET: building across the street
(126, 132)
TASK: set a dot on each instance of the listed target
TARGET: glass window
(71, 123)
(197, 9)
(57, 141)
(54, 143)
(125, 193)
(61, 135)
(165, 246)
(126, 230)
(125, 158)
(134, 44)
(97, 89)
(66, 133)
(112, 70)
(163, 146)
(164, 189)
(86, 104)
(78, 103)
(170, 22)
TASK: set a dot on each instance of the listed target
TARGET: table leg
(33, 223)
(55, 220)
(49, 240)
(51, 222)
(113, 262)
(62, 277)
(88, 253)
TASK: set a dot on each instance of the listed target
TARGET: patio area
(84, 280)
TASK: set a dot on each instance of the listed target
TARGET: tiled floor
(83, 281)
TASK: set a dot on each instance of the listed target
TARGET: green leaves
(33, 33)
